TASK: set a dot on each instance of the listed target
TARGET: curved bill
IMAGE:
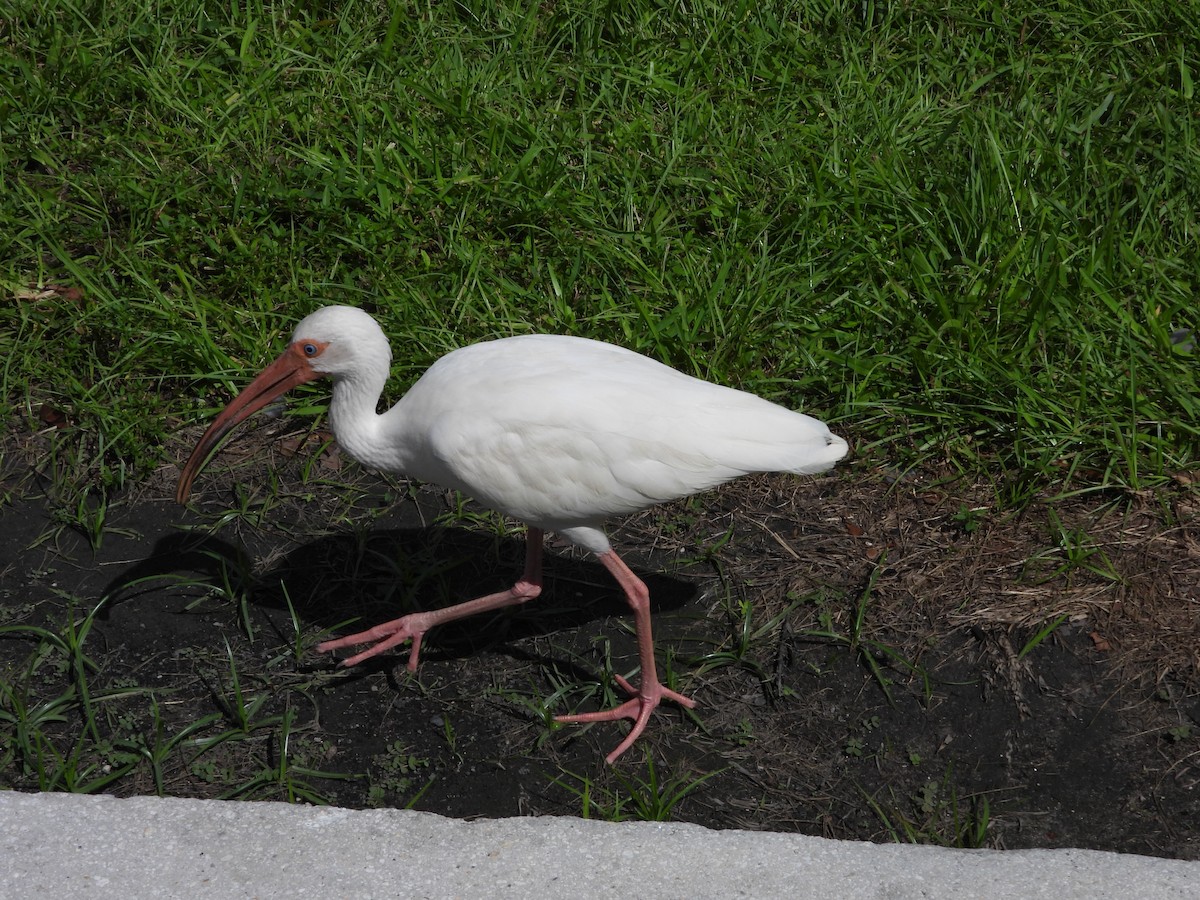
(289, 370)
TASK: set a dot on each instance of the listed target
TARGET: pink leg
(414, 625)
(651, 692)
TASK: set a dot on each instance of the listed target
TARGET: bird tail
(821, 458)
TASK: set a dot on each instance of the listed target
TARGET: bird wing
(564, 431)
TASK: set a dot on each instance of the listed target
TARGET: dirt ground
(874, 655)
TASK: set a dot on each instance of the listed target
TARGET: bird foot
(641, 704)
(388, 635)
(414, 625)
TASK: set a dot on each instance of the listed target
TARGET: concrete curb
(62, 845)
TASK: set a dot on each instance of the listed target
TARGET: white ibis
(559, 432)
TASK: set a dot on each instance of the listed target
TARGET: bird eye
(310, 349)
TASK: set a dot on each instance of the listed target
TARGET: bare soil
(875, 655)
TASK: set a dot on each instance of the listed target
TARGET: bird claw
(638, 707)
(387, 635)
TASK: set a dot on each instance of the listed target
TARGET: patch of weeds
(450, 735)
(16, 612)
(678, 523)
(870, 652)
(743, 735)
(566, 694)
(79, 483)
(86, 513)
(604, 690)
(63, 649)
(296, 644)
(40, 750)
(1180, 733)
(394, 773)
(543, 708)
(55, 724)
(286, 768)
(1073, 551)
(969, 518)
(253, 509)
(745, 636)
(935, 814)
(463, 514)
(238, 706)
(156, 748)
(645, 799)
(856, 743)
(211, 770)
(237, 586)
(281, 760)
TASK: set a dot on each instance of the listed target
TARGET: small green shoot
(1042, 633)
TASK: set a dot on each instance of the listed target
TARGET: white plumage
(560, 432)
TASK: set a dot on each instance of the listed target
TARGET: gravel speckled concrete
(58, 845)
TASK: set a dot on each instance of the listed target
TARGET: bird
(560, 432)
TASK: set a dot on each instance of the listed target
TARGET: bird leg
(414, 625)
(651, 692)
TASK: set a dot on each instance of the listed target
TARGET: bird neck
(356, 423)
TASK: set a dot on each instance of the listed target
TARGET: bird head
(336, 341)
(340, 342)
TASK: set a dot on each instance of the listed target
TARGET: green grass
(964, 231)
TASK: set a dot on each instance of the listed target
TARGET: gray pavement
(60, 845)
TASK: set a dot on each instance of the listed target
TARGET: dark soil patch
(886, 684)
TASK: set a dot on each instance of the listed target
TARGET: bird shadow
(352, 580)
